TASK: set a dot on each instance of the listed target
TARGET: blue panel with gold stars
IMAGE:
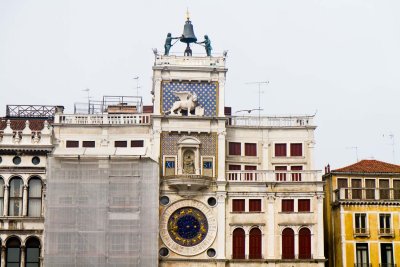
(187, 226)
(206, 95)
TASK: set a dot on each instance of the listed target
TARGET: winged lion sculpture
(187, 101)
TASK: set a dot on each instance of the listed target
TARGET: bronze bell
(188, 33)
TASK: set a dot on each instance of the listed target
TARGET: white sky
(340, 58)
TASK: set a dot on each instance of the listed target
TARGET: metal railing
(386, 232)
(272, 176)
(97, 119)
(32, 111)
(366, 194)
(361, 232)
(270, 121)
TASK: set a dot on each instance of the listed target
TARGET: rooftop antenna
(354, 148)
(88, 93)
(391, 136)
(137, 85)
(259, 96)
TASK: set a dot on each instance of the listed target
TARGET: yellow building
(362, 215)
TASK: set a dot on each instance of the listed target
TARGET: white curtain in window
(1, 197)
(16, 190)
(15, 207)
(35, 198)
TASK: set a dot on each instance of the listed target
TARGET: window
(35, 198)
(362, 258)
(304, 243)
(238, 244)
(1, 197)
(360, 223)
(356, 188)
(234, 176)
(296, 150)
(250, 176)
(304, 205)
(384, 224)
(280, 173)
(15, 199)
(370, 188)
(235, 149)
(137, 143)
(280, 150)
(296, 176)
(238, 205)
(254, 205)
(342, 183)
(71, 143)
(287, 243)
(396, 187)
(88, 144)
(32, 258)
(250, 149)
(121, 144)
(13, 257)
(387, 255)
(384, 189)
(255, 244)
(234, 167)
(287, 205)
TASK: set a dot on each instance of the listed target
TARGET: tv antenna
(88, 94)
(137, 85)
(391, 136)
(259, 95)
(354, 148)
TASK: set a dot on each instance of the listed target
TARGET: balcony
(386, 232)
(188, 184)
(366, 195)
(270, 121)
(387, 265)
(361, 232)
(263, 176)
(100, 119)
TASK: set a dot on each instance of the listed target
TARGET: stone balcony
(185, 61)
(271, 121)
(102, 119)
(263, 176)
(188, 184)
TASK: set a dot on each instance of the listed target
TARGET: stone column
(296, 244)
(221, 155)
(22, 256)
(3, 256)
(246, 243)
(221, 204)
(310, 157)
(6, 196)
(270, 244)
(25, 201)
(265, 156)
(157, 95)
(320, 226)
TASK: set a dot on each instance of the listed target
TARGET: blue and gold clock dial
(187, 226)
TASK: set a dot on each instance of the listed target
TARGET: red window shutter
(255, 205)
(250, 149)
(234, 149)
(71, 143)
(255, 246)
(280, 176)
(120, 143)
(287, 205)
(304, 205)
(238, 205)
(304, 243)
(296, 176)
(296, 150)
(287, 243)
(280, 150)
(234, 167)
(250, 176)
(238, 244)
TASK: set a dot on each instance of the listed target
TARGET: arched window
(287, 243)
(255, 244)
(35, 197)
(1, 196)
(32, 258)
(15, 199)
(13, 253)
(238, 244)
(304, 243)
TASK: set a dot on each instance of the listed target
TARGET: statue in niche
(188, 162)
(187, 102)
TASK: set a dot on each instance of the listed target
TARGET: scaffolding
(101, 213)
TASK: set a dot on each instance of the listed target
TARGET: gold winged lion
(188, 101)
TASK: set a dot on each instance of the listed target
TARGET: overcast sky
(337, 58)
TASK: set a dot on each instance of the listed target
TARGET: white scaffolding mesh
(101, 213)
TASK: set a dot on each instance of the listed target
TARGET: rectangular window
(384, 189)
(396, 187)
(362, 258)
(280, 150)
(342, 186)
(234, 176)
(251, 176)
(255, 205)
(287, 205)
(250, 149)
(384, 224)
(238, 205)
(296, 176)
(137, 143)
(121, 144)
(71, 143)
(88, 144)
(304, 205)
(387, 255)
(370, 188)
(235, 149)
(296, 150)
(356, 188)
(360, 223)
(233, 167)
(280, 173)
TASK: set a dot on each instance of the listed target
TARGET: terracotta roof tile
(19, 124)
(370, 166)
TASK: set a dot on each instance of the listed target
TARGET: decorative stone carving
(188, 102)
(188, 162)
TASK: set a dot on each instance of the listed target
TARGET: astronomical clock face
(188, 227)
